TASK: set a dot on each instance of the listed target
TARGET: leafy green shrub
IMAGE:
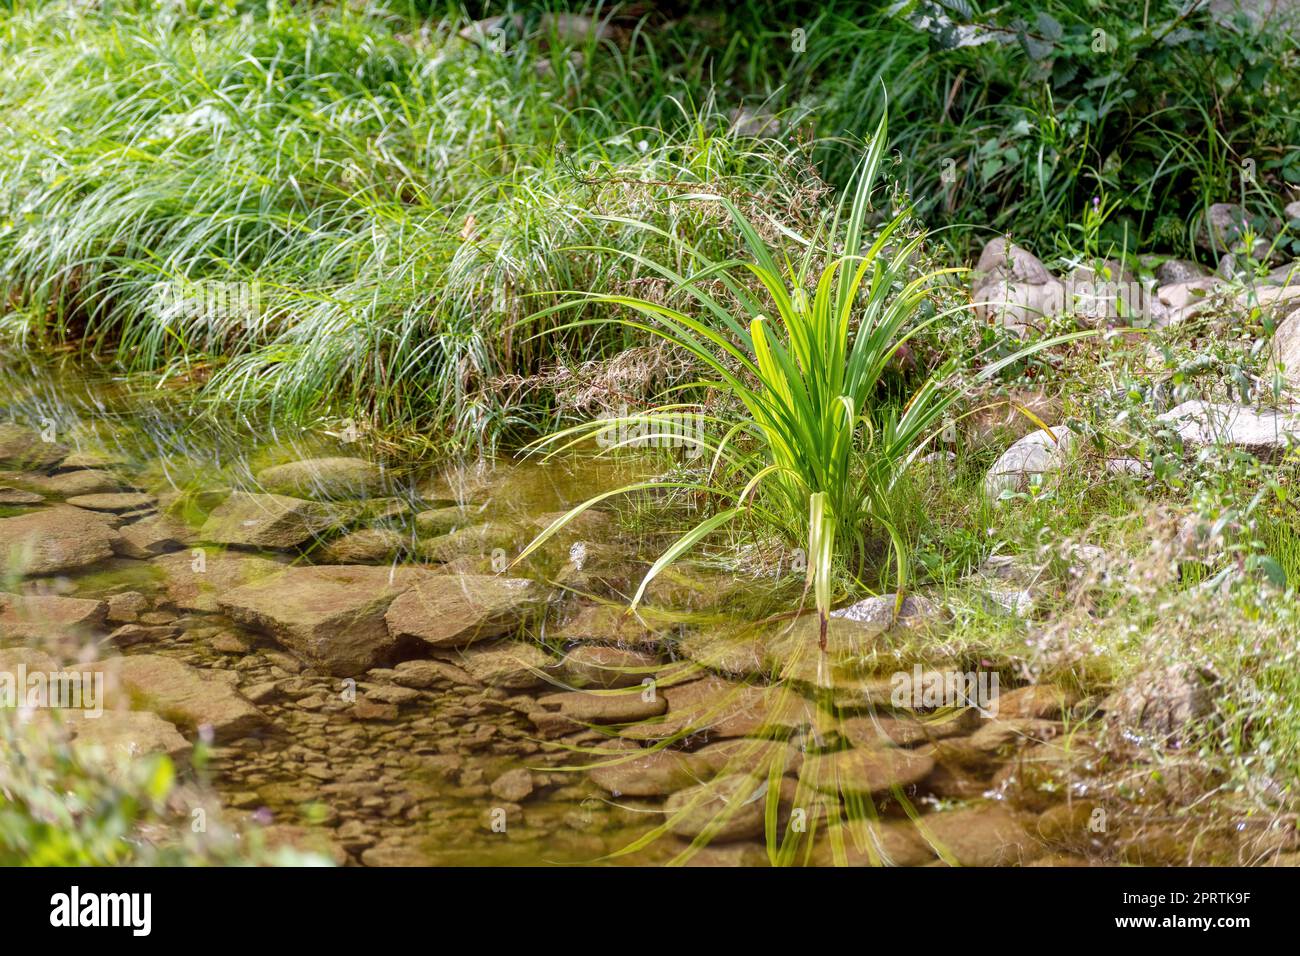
(1012, 118)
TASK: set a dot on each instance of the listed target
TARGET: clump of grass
(378, 196)
(814, 450)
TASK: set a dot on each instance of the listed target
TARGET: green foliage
(813, 442)
(65, 804)
(1013, 119)
(401, 198)
(393, 193)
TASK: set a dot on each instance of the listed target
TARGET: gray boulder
(1029, 461)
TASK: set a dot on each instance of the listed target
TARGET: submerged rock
(598, 665)
(331, 616)
(25, 449)
(738, 652)
(324, 478)
(718, 709)
(195, 579)
(513, 785)
(16, 497)
(86, 459)
(439, 521)
(152, 536)
(872, 843)
(877, 730)
(53, 540)
(185, 695)
(32, 617)
(728, 809)
(72, 483)
(477, 542)
(113, 502)
(512, 665)
(367, 546)
(609, 623)
(981, 836)
(866, 771)
(275, 522)
(791, 651)
(637, 772)
(446, 610)
(568, 711)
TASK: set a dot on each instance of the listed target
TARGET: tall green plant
(803, 357)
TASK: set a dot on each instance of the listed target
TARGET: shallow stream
(382, 682)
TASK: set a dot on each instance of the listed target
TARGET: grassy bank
(393, 204)
(344, 214)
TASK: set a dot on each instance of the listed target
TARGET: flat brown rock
(599, 665)
(16, 497)
(872, 843)
(646, 773)
(981, 836)
(88, 482)
(446, 610)
(748, 755)
(324, 478)
(791, 651)
(603, 707)
(1001, 735)
(718, 708)
(724, 810)
(885, 730)
(195, 581)
(275, 522)
(54, 540)
(1043, 701)
(866, 771)
(113, 502)
(512, 665)
(734, 653)
(367, 546)
(31, 617)
(152, 536)
(24, 448)
(607, 623)
(185, 695)
(127, 735)
(329, 615)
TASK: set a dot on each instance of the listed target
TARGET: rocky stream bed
(373, 680)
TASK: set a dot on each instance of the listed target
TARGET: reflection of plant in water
(784, 783)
